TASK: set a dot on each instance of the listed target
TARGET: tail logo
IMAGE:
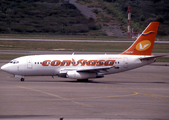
(143, 45)
(147, 33)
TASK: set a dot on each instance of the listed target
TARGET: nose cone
(5, 68)
(8, 68)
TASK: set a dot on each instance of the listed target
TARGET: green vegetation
(63, 46)
(74, 46)
(61, 18)
(142, 13)
(63, 37)
(39, 16)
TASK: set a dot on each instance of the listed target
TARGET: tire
(22, 79)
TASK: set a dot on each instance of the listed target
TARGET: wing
(63, 72)
(95, 69)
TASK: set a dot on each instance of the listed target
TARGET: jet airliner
(87, 66)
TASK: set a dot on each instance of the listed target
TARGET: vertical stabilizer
(145, 42)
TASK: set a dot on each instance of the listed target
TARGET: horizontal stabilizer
(145, 58)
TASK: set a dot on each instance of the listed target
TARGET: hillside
(60, 17)
(39, 16)
(114, 12)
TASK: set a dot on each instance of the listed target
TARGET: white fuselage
(55, 65)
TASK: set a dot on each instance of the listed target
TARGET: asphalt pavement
(142, 93)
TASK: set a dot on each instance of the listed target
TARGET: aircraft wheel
(22, 79)
(82, 80)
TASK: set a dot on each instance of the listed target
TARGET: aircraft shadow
(22, 116)
(66, 81)
(94, 81)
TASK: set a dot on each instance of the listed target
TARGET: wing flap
(94, 69)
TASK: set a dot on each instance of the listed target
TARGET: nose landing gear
(22, 79)
(20, 76)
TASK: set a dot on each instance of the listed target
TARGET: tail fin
(145, 42)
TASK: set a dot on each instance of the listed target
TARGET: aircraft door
(29, 63)
(125, 62)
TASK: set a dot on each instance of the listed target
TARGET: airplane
(83, 67)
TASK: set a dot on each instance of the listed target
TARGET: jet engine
(80, 75)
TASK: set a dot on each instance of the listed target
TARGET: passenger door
(29, 63)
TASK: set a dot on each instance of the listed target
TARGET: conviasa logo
(80, 62)
(143, 45)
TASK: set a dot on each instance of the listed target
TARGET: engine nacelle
(80, 75)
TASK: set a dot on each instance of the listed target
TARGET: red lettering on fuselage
(100, 62)
(91, 63)
(109, 62)
(45, 63)
(80, 62)
(76, 63)
(83, 63)
(55, 63)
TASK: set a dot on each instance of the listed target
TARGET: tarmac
(142, 93)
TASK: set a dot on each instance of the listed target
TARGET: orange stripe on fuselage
(80, 62)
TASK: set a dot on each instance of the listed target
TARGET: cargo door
(125, 62)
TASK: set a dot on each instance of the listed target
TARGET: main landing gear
(82, 80)
(22, 79)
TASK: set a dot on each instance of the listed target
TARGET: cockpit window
(14, 62)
